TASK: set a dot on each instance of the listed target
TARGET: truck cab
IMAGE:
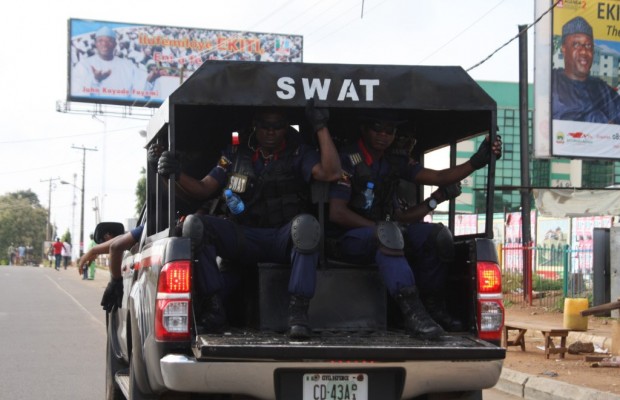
(358, 349)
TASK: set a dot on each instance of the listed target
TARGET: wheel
(113, 365)
(134, 390)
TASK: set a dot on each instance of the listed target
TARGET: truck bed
(375, 346)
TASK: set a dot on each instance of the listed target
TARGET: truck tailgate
(383, 346)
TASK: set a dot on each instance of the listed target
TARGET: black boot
(298, 318)
(212, 316)
(417, 321)
(436, 306)
(193, 228)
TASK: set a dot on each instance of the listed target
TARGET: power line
(72, 136)
(460, 33)
(524, 30)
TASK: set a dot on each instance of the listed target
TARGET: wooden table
(549, 332)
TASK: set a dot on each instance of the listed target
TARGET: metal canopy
(441, 103)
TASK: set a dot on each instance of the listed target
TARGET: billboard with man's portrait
(140, 65)
(584, 79)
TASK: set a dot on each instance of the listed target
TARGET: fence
(554, 274)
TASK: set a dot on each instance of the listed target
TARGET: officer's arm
(117, 247)
(413, 214)
(341, 214)
(328, 169)
(198, 189)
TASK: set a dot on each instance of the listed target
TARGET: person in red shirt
(57, 248)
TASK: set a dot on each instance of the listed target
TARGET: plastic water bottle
(234, 202)
(369, 195)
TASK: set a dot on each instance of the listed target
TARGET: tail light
(173, 305)
(490, 304)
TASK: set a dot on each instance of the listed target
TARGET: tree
(22, 222)
(141, 192)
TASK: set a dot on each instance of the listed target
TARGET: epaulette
(355, 158)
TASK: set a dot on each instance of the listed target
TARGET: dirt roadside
(572, 369)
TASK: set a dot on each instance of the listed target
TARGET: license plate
(335, 387)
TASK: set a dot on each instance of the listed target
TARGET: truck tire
(134, 390)
(113, 365)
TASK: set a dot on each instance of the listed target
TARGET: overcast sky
(36, 141)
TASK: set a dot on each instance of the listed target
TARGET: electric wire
(524, 30)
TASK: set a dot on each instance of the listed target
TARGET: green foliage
(66, 237)
(540, 284)
(141, 192)
(22, 221)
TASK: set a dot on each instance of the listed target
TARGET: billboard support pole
(525, 159)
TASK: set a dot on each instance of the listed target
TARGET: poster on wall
(584, 79)
(582, 243)
(141, 65)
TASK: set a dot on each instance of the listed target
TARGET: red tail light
(173, 305)
(490, 304)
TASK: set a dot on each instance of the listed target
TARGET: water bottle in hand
(369, 195)
(234, 202)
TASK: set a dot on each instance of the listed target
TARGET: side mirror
(107, 230)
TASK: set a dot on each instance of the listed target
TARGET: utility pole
(49, 206)
(82, 189)
(525, 163)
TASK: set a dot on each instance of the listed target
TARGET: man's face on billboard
(578, 50)
(105, 47)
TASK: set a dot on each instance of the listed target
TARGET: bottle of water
(369, 195)
(234, 202)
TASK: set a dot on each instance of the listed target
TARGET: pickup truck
(359, 350)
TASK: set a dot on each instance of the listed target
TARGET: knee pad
(305, 233)
(441, 239)
(391, 241)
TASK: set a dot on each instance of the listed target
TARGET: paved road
(53, 334)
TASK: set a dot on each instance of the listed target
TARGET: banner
(141, 65)
(584, 99)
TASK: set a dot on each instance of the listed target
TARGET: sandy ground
(573, 369)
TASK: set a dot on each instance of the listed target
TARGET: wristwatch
(432, 203)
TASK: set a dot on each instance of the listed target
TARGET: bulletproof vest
(273, 197)
(383, 206)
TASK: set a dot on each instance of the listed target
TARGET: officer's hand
(113, 295)
(483, 156)
(152, 155)
(451, 191)
(168, 164)
(318, 117)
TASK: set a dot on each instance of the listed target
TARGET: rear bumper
(185, 374)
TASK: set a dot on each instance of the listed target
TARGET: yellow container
(572, 317)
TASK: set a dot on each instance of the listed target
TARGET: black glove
(318, 117)
(152, 155)
(483, 156)
(451, 191)
(113, 295)
(168, 164)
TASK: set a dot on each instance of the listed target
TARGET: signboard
(141, 65)
(584, 79)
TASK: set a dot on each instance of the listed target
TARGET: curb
(533, 387)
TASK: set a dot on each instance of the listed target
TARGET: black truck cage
(442, 105)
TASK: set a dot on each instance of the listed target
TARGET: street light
(82, 212)
(81, 190)
(49, 207)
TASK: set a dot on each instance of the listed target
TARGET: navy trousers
(248, 246)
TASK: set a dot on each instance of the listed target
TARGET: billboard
(140, 65)
(584, 103)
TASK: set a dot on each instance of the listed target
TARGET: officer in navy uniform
(271, 174)
(375, 234)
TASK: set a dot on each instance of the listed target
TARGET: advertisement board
(141, 65)
(584, 79)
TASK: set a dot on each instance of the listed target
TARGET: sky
(39, 144)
